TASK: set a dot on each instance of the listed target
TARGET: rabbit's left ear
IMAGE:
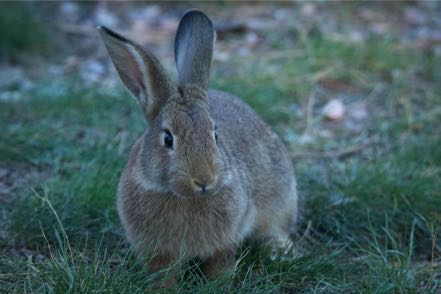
(194, 48)
(140, 71)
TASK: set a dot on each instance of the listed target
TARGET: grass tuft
(23, 30)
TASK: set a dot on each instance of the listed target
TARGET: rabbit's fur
(226, 178)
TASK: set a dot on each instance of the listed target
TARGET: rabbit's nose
(202, 186)
(205, 185)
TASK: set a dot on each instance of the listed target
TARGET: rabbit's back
(259, 159)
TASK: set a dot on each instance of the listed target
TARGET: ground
(369, 176)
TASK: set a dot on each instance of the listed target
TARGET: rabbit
(208, 172)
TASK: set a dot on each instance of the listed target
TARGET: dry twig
(336, 153)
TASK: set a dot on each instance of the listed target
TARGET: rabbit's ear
(194, 48)
(140, 71)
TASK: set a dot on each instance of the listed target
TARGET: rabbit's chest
(192, 229)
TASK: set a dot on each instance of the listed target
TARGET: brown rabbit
(207, 173)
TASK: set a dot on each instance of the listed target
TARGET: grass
(372, 219)
(23, 30)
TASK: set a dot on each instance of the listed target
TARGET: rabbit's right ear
(140, 71)
(194, 48)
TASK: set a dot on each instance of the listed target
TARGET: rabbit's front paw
(222, 262)
(166, 269)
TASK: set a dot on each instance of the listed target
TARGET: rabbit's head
(182, 151)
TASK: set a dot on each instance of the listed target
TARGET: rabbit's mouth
(195, 192)
(189, 187)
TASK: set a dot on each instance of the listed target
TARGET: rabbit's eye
(168, 139)
(215, 133)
